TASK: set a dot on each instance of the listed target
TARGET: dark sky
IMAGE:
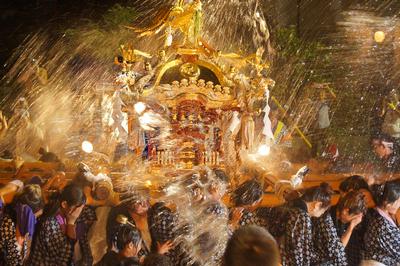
(19, 18)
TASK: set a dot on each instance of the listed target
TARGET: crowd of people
(49, 223)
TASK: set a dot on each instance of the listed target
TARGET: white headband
(387, 144)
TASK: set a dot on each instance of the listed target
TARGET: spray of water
(63, 92)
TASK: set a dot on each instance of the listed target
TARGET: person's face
(368, 198)
(393, 208)
(148, 67)
(102, 193)
(216, 192)
(315, 209)
(131, 250)
(141, 207)
(273, 114)
(380, 150)
(66, 209)
(197, 194)
(38, 213)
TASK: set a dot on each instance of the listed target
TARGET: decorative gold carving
(162, 71)
(209, 95)
(215, 69)
(183, 17)
(190, 70)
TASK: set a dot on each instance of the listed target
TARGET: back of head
(35, 180)
(251, 246)
(379, 136)
(127, 234)
(247, 193)
(31, 195)
(72, 194)
(204, 244)
(354, 201)
(7, 155)
(386, 193)
(322, 193)
(273, 106)
(155, 259)
(354, 182)
(81, 179)
(221, 175)
(129, 262)
(42, 151)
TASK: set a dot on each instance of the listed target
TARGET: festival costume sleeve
(56, 244)
(1, 208)
(8, 243)
(18, 183)
(26, 220)
(327, 241)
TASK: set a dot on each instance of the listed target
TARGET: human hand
(237, 214)
(73, 215)
(370, 179)
(164, 247)
(356, 220)
(57, 181)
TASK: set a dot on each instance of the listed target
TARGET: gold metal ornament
(189, 70)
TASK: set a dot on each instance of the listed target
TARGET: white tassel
(169, 38)
(267, 130)
(235, 122)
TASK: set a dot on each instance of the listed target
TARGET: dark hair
(31, 195)
(322, 193)
(354, 182)
(7, 155)
(80, 180)
(273, 106)
(35, 180)
(247, 193)
(129, 197)
(42, 151)
(72, 194)
(354, 201)
(386, 193)
(128, 262)
(251, 246)
(155, 259)
(127, 234)
(221, 175)
(205, 244)
(382, 137)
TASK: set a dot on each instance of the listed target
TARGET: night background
(321, 39)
